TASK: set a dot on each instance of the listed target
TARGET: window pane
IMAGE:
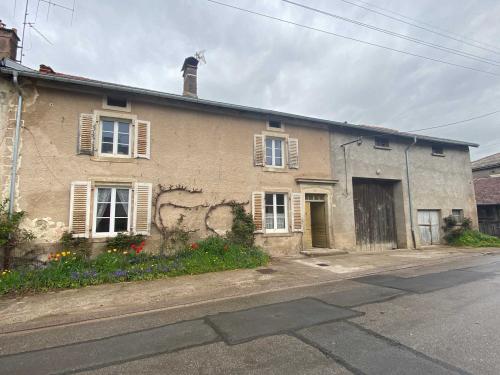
(104, 195)
(121, 225)
(277, 144)
(107, 137)
(269, 199)
(107, 148)
(102, 225)
(107, 126)
(123, 138)
(269, 143)
(122, 195)
(280, 199)
(280, 218)
(278, 161)
(103, 209)
(269, 221)
(123, 149)
(280, 209)
(121, 210)
(269, 209)
(123, 127)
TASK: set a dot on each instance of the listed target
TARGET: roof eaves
(271, 113)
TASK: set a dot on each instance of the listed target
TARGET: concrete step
(318, 252)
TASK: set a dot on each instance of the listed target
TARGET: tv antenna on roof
(50, 4)
(200, 56)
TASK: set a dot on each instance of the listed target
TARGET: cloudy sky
(255, 61)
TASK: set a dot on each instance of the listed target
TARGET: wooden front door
(428, 225)
(374, 215)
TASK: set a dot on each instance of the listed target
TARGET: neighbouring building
(99, 158)
(486, 173)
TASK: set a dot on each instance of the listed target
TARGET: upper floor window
(274, 152)
(111, 211)
(116, 103)
(275, 125)
(115, 138)
(382, 142)
(437, 150)
(276, 212)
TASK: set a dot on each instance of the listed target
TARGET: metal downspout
(13, 173)
(410, 204)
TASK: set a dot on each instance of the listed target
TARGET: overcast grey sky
(264, 63)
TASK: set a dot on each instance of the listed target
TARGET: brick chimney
(189, 70)
(8, 42)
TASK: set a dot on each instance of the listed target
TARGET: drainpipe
(13, 173)
(412, 225)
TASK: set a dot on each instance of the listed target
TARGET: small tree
(11, 235)
(243, 228)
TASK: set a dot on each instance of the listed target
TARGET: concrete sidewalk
(103, 301)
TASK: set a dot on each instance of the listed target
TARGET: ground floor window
(458, 214)
(276, 213)
(111, 211)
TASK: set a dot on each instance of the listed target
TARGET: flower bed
(70, 270)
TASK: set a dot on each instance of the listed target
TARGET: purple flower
(75, 275)
(120, 273)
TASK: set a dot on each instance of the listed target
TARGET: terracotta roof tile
(487, 190)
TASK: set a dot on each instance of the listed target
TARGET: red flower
(132, 246)
(194, 246)
(142, 244)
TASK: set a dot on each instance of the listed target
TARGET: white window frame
(275, 216)
(115, 137)
(273, 152)
(111, 232)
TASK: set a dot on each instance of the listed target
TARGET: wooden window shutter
(86, 134)
(79, 211)
(258, 211)
(297, 212)
(258, 150)
(143, 193)
(142, 139)
(293, 153)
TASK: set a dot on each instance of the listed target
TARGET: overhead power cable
(441, 32)
(456, 122)
(397, 35)
(351, 38)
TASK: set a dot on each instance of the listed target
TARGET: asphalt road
(427, 320)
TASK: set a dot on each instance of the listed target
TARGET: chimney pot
(189, 73)
(8, 42)
(46, 69)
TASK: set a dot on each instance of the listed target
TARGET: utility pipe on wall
(410, 204)
(15, 151)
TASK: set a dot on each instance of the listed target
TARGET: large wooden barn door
(374, 215)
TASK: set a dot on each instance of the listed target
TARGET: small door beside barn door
(428, 225)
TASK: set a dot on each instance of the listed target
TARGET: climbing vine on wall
(177, 236)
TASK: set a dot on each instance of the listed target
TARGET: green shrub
(78, 245)
(243, 227)
(11, 235)
(123, 241)
(472, 238)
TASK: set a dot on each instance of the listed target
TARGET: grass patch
(472, 238)
(72, 270)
